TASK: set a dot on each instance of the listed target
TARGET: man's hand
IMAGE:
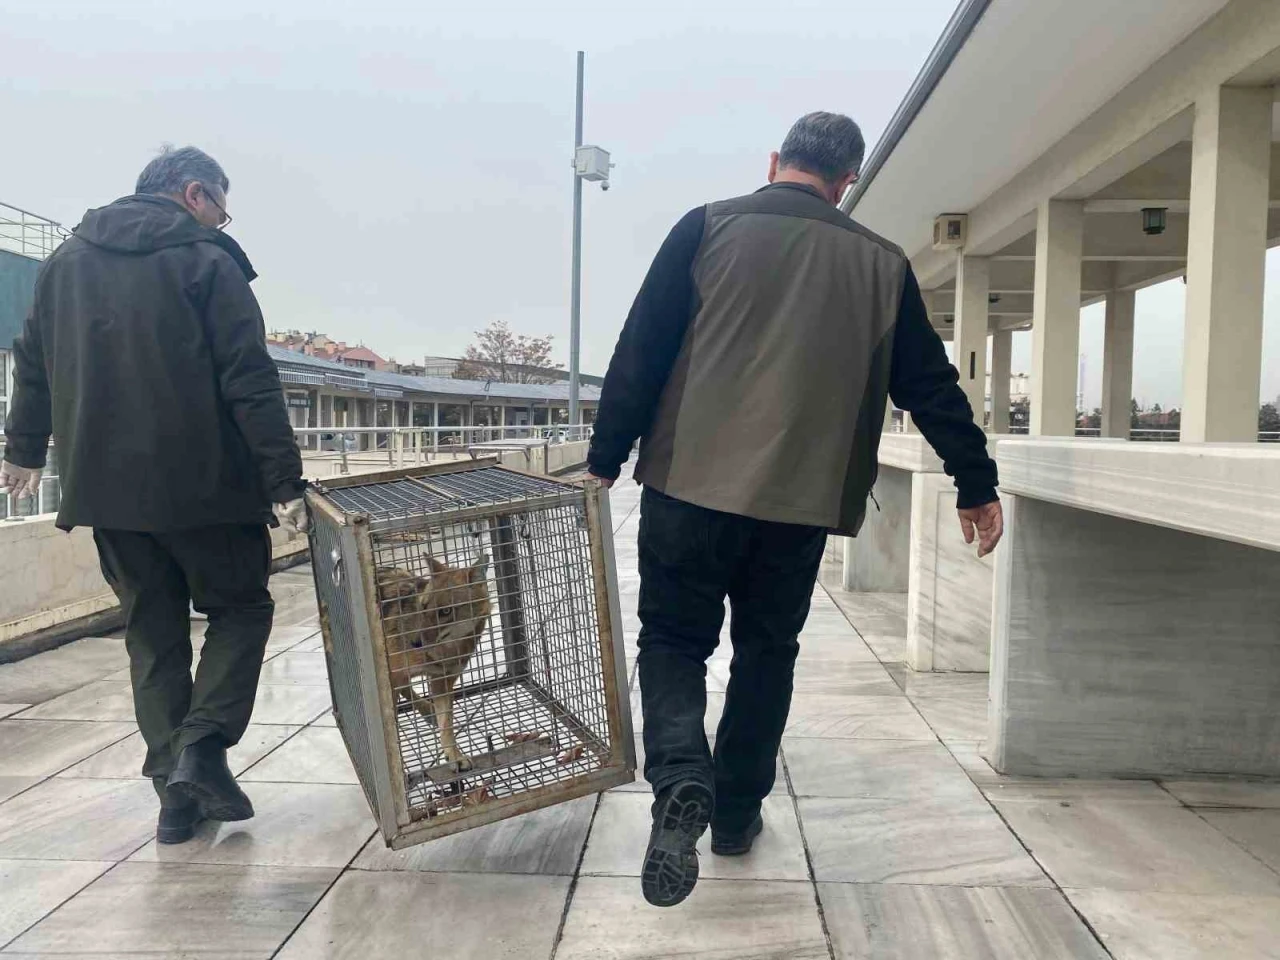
(18, 481)
(292, 516)
(604, 482)
(988, 520)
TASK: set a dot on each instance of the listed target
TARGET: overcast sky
(400, 171)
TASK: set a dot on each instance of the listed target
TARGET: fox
(432, 625)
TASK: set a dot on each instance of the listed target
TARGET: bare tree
(502, 356)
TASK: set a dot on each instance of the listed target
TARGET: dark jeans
(223, 571)
(692, 558)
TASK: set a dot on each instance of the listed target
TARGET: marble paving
(888, 836)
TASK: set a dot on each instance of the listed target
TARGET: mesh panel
(340, 651)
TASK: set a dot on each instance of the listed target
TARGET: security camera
(604, 185)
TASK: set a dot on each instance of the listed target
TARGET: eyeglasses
(226, 217)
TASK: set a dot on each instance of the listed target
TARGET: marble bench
(1136, 610)
(912, 545)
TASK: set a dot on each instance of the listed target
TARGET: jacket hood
(144, 223)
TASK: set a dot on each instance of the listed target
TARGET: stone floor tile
(8, 709)
(123, 760)
(296, 667)
(721, 920)
(1175, 926)
(34, 888)
(914, 841)
(876, 769)
(546, 841)
(78, 820)
(180, 910)
(453, 916)
(1226, 793)
(841, 678)
(910, 922)
(1257, 831)
(100, 700)
(297, 825)
(40, 748)
(888, 647)
(286, 638)
(290, 703)
(12, 786)
(620, 834)
(921, 684)
(955, 718)
(843, 645)
(1135, 846)
(856, 718)
(326, 719)
(55, 672)
(314, 755)
(1077, 791)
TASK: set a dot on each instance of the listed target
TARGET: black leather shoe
(680, 817)
(178, 824)
(736, 843)
(203, 777)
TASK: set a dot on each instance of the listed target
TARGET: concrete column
(1001, 371)
(1055, 332)
(1117, 365)
(973, 284)
(1226, 263)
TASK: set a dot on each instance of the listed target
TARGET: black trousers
(223, 571)
(691, 559)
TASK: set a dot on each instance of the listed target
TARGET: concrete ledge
(908, 451)
(1226, 491)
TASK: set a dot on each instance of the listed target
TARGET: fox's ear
(436, 565)
(477, 573)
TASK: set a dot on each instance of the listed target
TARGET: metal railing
(414, 446)
(29, 234)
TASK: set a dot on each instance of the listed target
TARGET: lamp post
(589, 163)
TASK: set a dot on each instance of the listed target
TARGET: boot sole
(174, 835)
(214, 806)
(670, 870)
(739, 845)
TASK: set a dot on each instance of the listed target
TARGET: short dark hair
(827, 145)
(173, 169)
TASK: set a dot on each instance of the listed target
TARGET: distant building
(323, 347)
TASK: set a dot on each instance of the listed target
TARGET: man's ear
(773, 166)
(191, 194)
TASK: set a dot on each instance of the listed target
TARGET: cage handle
(335, 557)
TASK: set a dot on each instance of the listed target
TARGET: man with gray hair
(145, 358)
(756, 365)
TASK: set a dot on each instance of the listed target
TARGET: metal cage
(473, 639)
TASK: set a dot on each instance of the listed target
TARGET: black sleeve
(924, 383)
(30, 421)
(250, 383)
(647, 348)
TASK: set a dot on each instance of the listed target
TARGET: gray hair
(827, 145)
(172, 170)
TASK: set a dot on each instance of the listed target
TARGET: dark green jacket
(145, 357)
(758, 360)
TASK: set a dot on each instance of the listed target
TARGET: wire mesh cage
(473, 638)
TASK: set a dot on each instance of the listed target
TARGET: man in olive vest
(755, 366)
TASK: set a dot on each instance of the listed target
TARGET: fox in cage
(432, 627)
(434, 622)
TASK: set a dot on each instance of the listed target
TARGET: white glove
(18, 481)
(292, 516)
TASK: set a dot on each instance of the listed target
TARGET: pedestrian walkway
(888, 837)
